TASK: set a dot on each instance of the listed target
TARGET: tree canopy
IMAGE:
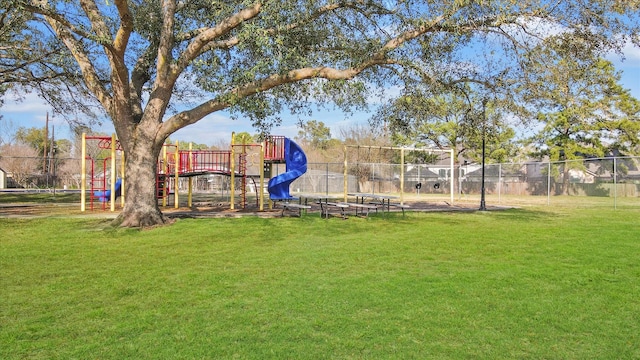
(315, 133)
(583, 111)
(448, 121)
(154, 67)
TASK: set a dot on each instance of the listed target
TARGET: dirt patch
(205, 210)
(26, 210)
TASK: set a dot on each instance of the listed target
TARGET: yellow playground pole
(122, 178)
(261, 176)
(232, 166)
(83, 174)
(165, 176)
(112, 199)
(190, 168)
(176, 155)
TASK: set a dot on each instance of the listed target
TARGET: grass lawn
(542, 283)
(39, 198)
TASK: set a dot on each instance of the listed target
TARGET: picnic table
(379, 200)
(364, 203)
(288, 204)
(327, 202)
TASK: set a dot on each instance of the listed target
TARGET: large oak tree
(142, 61)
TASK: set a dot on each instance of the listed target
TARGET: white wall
(3, 179)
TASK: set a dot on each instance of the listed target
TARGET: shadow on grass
(523, 215)
(462, 217)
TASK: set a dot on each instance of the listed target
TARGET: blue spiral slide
(296, 165)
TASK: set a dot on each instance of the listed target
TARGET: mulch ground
(202, 210)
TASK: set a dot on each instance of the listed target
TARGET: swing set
(367, 169)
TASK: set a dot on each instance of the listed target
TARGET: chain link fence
(611, 181)
(607, 181)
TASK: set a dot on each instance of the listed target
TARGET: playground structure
(247, 166)
(245, 162)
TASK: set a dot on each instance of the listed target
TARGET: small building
(3, 179)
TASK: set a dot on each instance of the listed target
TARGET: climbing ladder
(166, 168)
(96, 183)
(242, 172)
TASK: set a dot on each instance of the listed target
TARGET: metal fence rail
(613, 181)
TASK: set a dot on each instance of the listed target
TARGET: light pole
(483, 205)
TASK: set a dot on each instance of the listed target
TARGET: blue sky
(217, 127)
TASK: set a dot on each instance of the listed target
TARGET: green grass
(39, 198)
(537, 283)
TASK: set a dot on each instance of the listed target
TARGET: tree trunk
(141, 205)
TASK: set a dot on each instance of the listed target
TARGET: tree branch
(378, 58)
(140, 74)
(195, 48)
(97, 23)
(167, 41)
(126, 27)
(92, 80)
(114, 48)
(41, 7)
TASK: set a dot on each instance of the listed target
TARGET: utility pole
(46, 140)
(52, 163)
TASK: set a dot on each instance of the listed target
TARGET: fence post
(326, 177)
(402, 176)
(451, 164)
(615, 184)
(373, 177)
(499, 183)
(345, 180)
(549, 185)
(459, 181)
(83, 174)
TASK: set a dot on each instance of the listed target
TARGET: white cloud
(540, 27)
(31, 112)
(535, 29)
(30, 103)
(631, 52)
(211, 129)
(197, 136)
(290, 130)
(389, 94)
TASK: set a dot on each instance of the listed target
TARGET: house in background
(7, 181)
(3, 179)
